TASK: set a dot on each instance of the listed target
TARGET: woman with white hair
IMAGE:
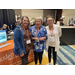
(39, 35)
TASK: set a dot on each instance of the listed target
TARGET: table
(68, 35)
(7, 57)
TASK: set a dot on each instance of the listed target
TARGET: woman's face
(38, 22)
(25, 22)
(50, 21)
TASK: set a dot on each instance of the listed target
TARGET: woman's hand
(21, 55)
(42, 38)
(35, 38)
(8, 31)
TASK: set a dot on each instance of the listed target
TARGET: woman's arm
(17, 37)
(35, 38)
(45, 35)
(59, 31)
(42, 38)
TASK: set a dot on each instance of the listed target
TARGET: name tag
(28, 41)
(52, 39)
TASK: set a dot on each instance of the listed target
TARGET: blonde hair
(39, 19)
(4, 25)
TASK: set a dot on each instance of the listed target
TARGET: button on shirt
(42, 32)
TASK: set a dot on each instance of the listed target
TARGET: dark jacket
(6, 30)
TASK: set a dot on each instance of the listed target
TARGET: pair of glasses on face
(38, 21)
(26, 20)
(49, 20)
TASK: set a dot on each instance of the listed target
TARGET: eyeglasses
(26, 20)
(49, 20)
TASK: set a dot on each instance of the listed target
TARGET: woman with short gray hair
(39, 19)
(39, 36)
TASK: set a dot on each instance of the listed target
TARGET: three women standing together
(36, 38)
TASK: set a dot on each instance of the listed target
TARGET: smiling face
(50, 21)
(25, 22)
(38, 22)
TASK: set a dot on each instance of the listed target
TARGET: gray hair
(39, 19)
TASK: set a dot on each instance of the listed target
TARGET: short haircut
(49, 17)
(39, 19)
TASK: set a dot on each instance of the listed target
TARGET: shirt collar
(40, 27)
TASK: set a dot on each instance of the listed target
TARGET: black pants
(54, 54)
(36, 54)
(25, 59)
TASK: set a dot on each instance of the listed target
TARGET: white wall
(32, 13)
(68, 13)
(49, 12)
(17, 11)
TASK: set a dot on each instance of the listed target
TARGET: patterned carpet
(65, 56)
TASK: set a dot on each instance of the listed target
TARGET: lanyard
(37, 33)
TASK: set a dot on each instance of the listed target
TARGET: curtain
(11, 17)
(14, 19)
(1, 18)
(7, 16)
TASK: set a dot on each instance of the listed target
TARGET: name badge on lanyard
(51, 39)
(28, 41)
(37, 35)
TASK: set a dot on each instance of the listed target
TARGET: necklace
(51, 30)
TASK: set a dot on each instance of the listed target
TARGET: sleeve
(59, 31)
(8, 29)
(16, 41)
(45, 33)
(31, 30)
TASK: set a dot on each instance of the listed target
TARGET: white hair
(39, 19)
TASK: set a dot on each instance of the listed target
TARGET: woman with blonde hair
(5, 27)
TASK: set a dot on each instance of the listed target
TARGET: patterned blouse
(27, 36)
(42, 32)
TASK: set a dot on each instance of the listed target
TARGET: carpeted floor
(65, 56)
